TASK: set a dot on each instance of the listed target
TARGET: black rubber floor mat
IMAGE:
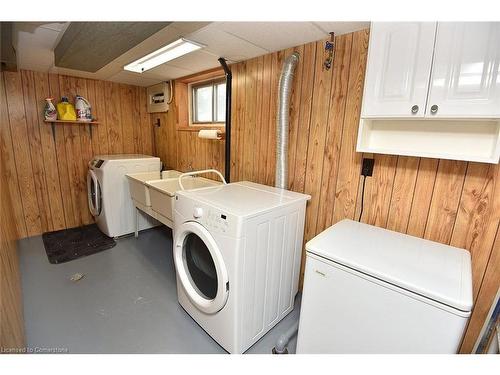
(69, 244)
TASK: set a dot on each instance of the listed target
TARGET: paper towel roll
(209, 134)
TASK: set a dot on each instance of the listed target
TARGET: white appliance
(109, 196)
(237, 252)
(371, 290)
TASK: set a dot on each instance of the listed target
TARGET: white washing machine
(108, 192)
(372, 290)
(237, 252)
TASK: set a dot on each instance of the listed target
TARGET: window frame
(214, 82)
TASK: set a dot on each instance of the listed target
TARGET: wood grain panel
(47, 178)
(402, 193)
(379, 191)
(127, 96)
(424, 186)
(11, 308)
(113, 111)
(334, 132)
(42, 90)
(21, 150)
(350, 160)
(445, 200)
(478, 215)
(9, 164)
(317, 136)
(35, 145)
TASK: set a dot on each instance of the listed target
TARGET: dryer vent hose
(282, 119)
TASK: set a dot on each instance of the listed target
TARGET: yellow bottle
(66, 110)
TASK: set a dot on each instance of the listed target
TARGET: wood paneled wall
(47, 178)
(11, 304)
(452, 202)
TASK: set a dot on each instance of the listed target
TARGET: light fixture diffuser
(169, 52)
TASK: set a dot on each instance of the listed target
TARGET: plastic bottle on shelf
(83, 109)
(66, 110)
(49, 112)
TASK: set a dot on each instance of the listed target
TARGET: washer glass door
(94, 193)
(200, 267)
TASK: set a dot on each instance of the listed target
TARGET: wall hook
(330, 49)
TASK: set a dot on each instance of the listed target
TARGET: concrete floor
(126, 303)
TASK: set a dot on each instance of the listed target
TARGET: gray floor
(126, 303)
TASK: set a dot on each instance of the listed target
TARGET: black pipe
(229, 78)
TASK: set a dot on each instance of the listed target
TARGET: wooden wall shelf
(74, 122)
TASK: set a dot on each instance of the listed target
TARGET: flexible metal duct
(282, 122)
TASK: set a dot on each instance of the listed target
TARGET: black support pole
(229, 78)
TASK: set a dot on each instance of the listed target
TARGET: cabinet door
(398, 69)
(465, 74)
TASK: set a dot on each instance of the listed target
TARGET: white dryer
(237, 252)
(108, 192)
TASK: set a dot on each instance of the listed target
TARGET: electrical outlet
(367, 167)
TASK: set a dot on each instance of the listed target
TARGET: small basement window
(208, 102)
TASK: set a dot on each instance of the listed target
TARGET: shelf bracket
(90, 131)
(53, 126)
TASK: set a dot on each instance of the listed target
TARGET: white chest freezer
(371, 290)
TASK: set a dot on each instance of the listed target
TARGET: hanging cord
(171, 91)
(362, 198)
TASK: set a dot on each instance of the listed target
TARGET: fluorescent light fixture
(169, 52)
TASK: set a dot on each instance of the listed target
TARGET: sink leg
(136, 233)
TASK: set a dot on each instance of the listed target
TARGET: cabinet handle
(414, 109)
(434, 109)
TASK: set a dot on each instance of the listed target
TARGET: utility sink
(139, 191)
(162, 192)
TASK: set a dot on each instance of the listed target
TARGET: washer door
(94, 193)
(200, 267)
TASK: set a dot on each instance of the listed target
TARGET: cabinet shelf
(469, 140)
(67, 122)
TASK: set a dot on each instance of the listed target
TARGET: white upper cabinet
(398, 69)
(465, 79)
(432, 90)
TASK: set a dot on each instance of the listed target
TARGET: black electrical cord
(362, 198)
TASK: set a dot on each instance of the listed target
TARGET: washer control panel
(215, 220)
(96, 163)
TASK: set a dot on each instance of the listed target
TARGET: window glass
(203, 105)
(209, 102)
(221, 102)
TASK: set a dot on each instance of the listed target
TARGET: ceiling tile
(133, 79)
(226, 45)
(34, 46)
(166, 72)
(274, 36)
(342, 27)
(195, 61)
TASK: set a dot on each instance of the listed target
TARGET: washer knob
(197, 212)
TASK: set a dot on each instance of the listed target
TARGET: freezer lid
(439, 272)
